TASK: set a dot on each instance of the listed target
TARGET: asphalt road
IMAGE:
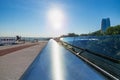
(56, 63)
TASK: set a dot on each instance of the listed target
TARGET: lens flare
(56, 17)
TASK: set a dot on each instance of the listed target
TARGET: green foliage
(115, 30)
(83, 34)
(96, 33)
(70, 35)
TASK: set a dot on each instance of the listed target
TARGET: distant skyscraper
(105, 24)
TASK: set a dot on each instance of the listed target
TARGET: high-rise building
(105, 24)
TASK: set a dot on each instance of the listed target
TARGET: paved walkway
(15, 45)
(13, 49)
(13, 65)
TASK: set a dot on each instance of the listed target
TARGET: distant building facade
(7, 40)
(105, 24)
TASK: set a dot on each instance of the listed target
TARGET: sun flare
(56, 18)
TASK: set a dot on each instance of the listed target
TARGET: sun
(56, 17)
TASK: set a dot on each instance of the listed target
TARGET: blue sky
(28, 17)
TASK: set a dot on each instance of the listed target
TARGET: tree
(72, 34)
(114, 30)
(96, 33)
(84, 35)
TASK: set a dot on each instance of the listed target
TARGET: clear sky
(38, 17)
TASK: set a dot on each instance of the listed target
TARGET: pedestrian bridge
(55, 62)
